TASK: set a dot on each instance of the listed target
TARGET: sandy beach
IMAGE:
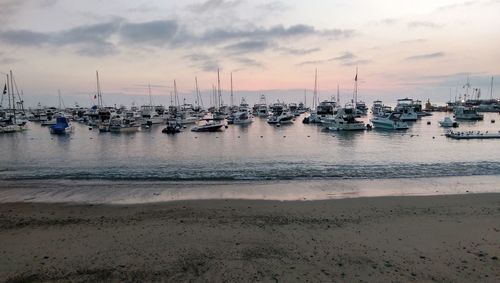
(454, 238)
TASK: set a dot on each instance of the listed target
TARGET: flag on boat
(5, 89)
(95, 96)
(356, 78)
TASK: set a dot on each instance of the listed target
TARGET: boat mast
(99, 94)
(150, 97)
(338, 96)
(8, 90)
(176, 95)
(232, 89)
(315, 93)
(219, 90)
(491, 89)
(13, 97)
(356, 88)
(198, 95)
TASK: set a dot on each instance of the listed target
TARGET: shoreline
(125, 192)
(410, 238)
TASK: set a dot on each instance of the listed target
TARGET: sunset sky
(402, 48)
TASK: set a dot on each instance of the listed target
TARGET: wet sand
(453, 238)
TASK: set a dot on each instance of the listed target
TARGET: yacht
(390, 121)
(377, 108)
(125, 125)
(294, 109)
(345, 120)
(324, 111)
(280, 114)
(150, 116)
(62, 126)
(210, 126)
(448, 123)
(260, 109)
(361, 108)
(242, 117)
(406, 108)
(467, 113)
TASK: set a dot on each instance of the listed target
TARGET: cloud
(203, 61)
(247, 62)
(346, 57)
(156, 33)
(24, 37)
(357, 62)
(456, 5)
(273, 6)
(108, 37)
(211, 5)
(418, 40)
(248, 46)
(388, 21)
(426, 56)
(294, 51)
(423, 24)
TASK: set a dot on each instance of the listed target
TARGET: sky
(424, 49)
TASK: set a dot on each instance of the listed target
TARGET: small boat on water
(172, 128)
(391, 121)
(280, 114)
(242, 117)
(62, 126)
(467, 113)
(345, 120)
(448, 123)
(210, 126)
(472, 135)
(124, 126)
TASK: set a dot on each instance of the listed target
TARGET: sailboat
(345, 117)
(10, 121)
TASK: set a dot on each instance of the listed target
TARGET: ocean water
(258, 152)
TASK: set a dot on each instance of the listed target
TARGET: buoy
(90, 128)
(428, 122)
(492, 120)
(284, 136)
(261, 136)
(308, 136)
(278, 125)
(433, 137)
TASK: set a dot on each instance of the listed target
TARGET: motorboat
(377, 108)
(172, 128)
(124, 125)
(280, 114)
(324, 111)
(406, 108)
(242, 117)
(361, 108)
(62, 126)
(345, 120)
(391, 121)
(467, 113)
(448, 123)
(210, 126)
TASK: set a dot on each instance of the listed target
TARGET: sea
(256, 161)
